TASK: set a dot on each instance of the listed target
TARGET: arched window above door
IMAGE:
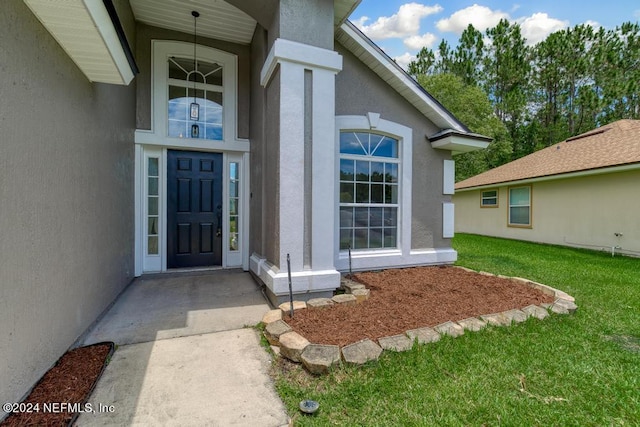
(188, 92)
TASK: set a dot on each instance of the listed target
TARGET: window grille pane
(377, 193)
(347, 193)
(377, 171)
(152, 169)
(361, 217)
(519, 196)
(152, 245)
(349, 144)
(362, 193)
(346, 217)
(361, 238)
(375, 238)
(346, 170)
(375, 217)
(346, 238)
(362, 171)
(387, 148)
(390, 238)
(519, 215)
(390, 172)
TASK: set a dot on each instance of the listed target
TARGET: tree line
(530, 97)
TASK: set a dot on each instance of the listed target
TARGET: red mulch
(70, 382)
(412, 298)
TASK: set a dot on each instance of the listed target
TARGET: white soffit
(460, 144)
(218, 19)
(351, 38)
(85, 31)
(342, 9)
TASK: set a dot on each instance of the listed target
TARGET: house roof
(387, 69)
(613, 145)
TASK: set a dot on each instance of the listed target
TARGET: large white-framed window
(369, 171)
(373, 192)
(520, 206)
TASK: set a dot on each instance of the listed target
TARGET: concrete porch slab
(164, 306)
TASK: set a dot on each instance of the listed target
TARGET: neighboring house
(306, 140)
(582, 192)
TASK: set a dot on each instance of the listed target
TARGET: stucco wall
(265, 153)
(584, 211)
(146, 33)
(359, 91)
(66, 198)
(309, 22)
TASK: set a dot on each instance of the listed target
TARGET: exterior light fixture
(194, 110)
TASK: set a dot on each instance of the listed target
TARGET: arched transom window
(369, 188)
(195, 98)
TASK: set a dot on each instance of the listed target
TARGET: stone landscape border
(320, 358)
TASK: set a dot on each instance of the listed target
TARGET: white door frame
(157, 263)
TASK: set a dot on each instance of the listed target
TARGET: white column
(293, 60)
(324, 180)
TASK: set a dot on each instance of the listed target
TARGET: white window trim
(380, 258)
(161, 51)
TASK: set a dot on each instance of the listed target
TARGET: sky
(402, 27)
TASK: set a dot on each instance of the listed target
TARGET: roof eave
(381, 64)
(566, 175)
(91, 34)
(342, 10)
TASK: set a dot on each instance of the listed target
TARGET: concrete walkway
(185, 355)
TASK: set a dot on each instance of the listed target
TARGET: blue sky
(401, 27)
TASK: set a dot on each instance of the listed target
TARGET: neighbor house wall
(146, 33)
(584, 211)
(359, 91)
(66, 198)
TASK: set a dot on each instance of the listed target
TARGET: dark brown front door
(194, 209)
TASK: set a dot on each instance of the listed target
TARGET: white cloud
(636, 13)
(593, 24)
(404, 60)
(402, 24)
(538, 26)
(418, 42)
(480, 16)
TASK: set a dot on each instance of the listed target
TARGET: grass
(582, 369)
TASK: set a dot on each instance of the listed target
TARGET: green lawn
(581, 369)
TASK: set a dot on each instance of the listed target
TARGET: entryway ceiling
(218, 19)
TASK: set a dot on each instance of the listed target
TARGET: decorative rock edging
(320, 358)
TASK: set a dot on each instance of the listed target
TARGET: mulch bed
(412, 298)
(67, 385)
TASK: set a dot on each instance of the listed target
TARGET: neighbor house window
(520, 206)
(489, 199)
(369, 188)
(198, 82)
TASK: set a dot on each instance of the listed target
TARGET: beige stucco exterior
(583, 211)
